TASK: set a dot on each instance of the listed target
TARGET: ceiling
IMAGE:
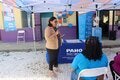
(38, 6)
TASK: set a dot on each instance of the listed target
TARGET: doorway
(44, 25)
(44, 17)
(104, 23)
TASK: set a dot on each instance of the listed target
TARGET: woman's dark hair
(93, 48)
(51, 19)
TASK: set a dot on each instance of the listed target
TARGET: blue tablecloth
(68, 50)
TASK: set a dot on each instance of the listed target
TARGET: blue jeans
(74, 75)
(52, 58)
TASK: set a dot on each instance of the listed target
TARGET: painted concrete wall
(24, 19)
(12, 35)
(38, 28)
(18, 17)
(1, 19)
(0, 35)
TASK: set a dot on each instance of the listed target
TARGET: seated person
(115, 65)
(91, 57)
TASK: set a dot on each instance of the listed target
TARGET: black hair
(93, 48)
(51, 19)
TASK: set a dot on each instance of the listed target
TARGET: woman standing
(53, 42)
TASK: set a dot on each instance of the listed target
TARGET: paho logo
(74, 50)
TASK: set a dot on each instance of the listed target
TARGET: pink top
(116, 64)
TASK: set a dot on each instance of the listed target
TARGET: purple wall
(8, 36)
(37, 18)
(0, 35)
(70, 33)
(37, 27)
(38, 33)
(11, 36)
(28, 34)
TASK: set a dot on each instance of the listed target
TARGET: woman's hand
(62, 35)
(57, 32)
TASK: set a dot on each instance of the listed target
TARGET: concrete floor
(29, 46)
(33, 66)
(33, 62)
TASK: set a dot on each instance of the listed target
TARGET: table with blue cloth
(69, 49)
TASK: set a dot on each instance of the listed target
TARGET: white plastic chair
(93, 72)
(20, 35)
(117, 77)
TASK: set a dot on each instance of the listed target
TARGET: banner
(9, 21)
(85, 25)
(82, 26)
(89, 24)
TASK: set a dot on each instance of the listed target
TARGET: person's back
(116, 64)
(83, 63)
(91, 57)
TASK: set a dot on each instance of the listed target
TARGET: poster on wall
(65, 17)
(9, 21)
